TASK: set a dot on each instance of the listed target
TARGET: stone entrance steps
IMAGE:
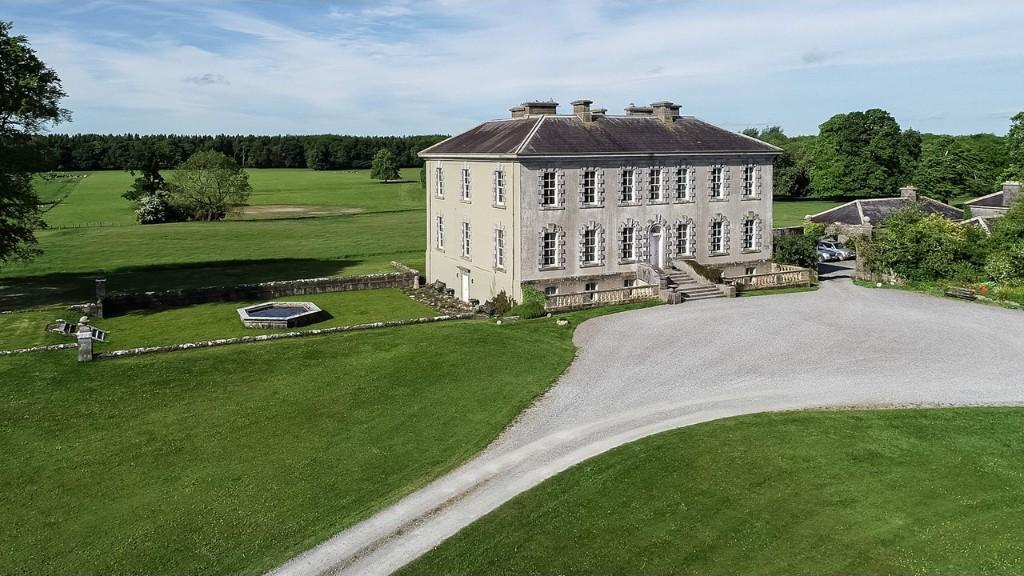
(689, 289)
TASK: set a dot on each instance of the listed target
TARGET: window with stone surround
(551, 247)
(751, 233)
(588, 187)
(628, 190)
(549, 188)
(749, 181)
(591, 245)
(629, 241)
(656, 185)
(684, 189)
(718, 235)
(716, 182)
(682, 232)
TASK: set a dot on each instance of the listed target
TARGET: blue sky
(441, 66)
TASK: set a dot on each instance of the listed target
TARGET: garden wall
(116, 304)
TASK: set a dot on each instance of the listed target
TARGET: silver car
(841, 252)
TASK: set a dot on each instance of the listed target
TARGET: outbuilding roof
(874, 211)
(994, 200)
(568, 135)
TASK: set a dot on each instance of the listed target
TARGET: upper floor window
(465, 184)
(749, 181)
(439, 182)
(549, 188)
(549, 249)
(465, 240)
(717, 237)
(589, 185)
(682, 183)
(628, 186)
(499, 248)
(716, 182)
(657, 188)
(439, 238)
(499, 187)
(749, 236)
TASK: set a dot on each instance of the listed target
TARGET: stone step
(702, 297)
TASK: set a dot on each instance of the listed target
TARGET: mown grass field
(860, 492)
(787, 212)
(207, 321)
(231, 460)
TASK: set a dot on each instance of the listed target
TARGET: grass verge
(858, 492)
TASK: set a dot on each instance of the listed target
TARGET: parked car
(838, 248)
(826, 255)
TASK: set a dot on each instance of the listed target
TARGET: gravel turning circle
(647, 371)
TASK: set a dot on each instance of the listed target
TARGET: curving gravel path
(651, 370)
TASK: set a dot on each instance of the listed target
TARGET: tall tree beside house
(948, 169)
(791, 169)
(1015, 149)
(863, 154)
(384, 167)
(30, 95)
(208, 186)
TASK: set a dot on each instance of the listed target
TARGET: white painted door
(657, 247)
(465, 286)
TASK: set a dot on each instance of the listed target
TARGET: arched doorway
(656, 254)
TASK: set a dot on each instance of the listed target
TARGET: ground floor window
(465, 240)
(499, 248)
(549, 249)
(717, 236)
(550, 290)
(749, 234)
(628, 243)
(590, 286)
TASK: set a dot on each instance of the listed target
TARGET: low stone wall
(39, 349)
(116, 304)
(267, 337)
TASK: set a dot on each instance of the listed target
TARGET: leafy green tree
(796, 250)
(1015, 149)
(916, 246)
(948, 169)
(384, 167)
(863, 154)
(146, 159)
(30, 95)
(790, 170)
(208, 186)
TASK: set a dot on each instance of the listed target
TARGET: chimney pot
(1011, 192)
(633, 110)
(909, 192)
(518, 111)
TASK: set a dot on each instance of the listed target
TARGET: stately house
(588, 202)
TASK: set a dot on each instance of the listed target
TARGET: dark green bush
(502, 303)
(532, 305)
(796, 250)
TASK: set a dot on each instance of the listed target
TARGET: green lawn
(860, 492)
(207, 321)
(231, 460)
(786, 212)
(774, 291)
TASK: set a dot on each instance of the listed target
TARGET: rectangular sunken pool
(280, 314)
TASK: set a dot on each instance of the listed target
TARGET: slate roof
(875, 211)
(984, 223)
(992, 200)
(606, 135)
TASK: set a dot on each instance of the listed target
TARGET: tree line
(867, 154)
(319, 152)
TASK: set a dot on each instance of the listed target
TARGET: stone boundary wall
(279, 336)
(116, 304)
(39, 349)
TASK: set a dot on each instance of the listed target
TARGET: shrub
(1006, 263)
(920, 248)
(532, 305)
(502, 303)
(796, 250)
(154, 209)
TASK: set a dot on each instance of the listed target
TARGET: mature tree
(384, 168)
(30, 94)
(145, 160)
(790, 170)
(863, 154)
(208, 185)
(1015, 149)
(948, 169)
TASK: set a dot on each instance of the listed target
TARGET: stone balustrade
(781, 276)
(579, 300)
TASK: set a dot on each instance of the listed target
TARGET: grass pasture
(790, 212)
(862, 492)
(231, 460)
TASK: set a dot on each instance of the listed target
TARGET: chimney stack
(909, 192)
(665, 111)
(581, 108)
(518, 111)
(539, 108)
(596, 112)
(633, 110)
(1011, 192)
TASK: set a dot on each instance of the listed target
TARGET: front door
(657, 256)
(465, 286)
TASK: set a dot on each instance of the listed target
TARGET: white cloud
(397, 67)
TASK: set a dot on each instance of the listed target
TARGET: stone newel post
(84, 335)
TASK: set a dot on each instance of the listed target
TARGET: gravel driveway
(647, 371)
